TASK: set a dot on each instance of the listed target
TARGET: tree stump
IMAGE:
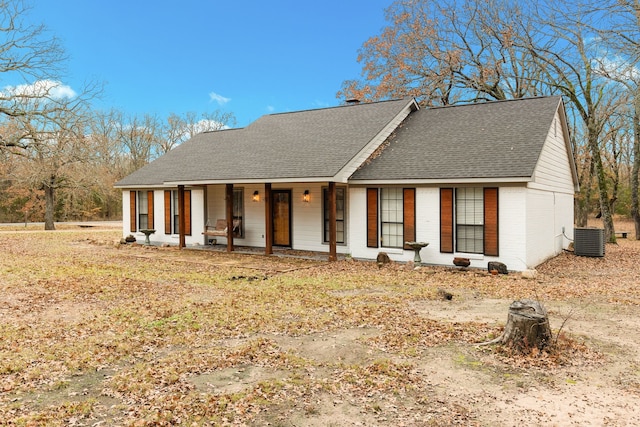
(527, 326)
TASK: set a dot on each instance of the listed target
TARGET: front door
(281, 217)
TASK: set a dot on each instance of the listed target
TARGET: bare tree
(620, 37)
(564, 50)
(27, 54)
(52, 143)
(181, 128)
(138, 137)
(447, 52)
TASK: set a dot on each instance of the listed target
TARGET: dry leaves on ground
(95, 332)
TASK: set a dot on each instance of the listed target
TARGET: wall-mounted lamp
(256, 196)
(306, 197)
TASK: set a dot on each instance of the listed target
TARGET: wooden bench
(622, 234)
(220, 229)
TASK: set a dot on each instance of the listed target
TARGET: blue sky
(246, 57)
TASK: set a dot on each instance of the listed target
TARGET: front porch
(286, 219)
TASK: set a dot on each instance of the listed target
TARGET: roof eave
(256, 180)
(129, 186)
(438, 181)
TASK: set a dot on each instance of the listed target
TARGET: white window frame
(143, 209)
(469, 220)
(391, 220)
(341, 215)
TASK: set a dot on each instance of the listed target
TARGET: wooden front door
(281, 217)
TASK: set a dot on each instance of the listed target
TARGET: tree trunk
(581, 211)
(635, 208)
(49, 207)
(582, 201)
(527, 327)
(607, 217)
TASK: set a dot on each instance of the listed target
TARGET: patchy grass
(93, 332)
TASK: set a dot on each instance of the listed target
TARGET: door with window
(281, 217)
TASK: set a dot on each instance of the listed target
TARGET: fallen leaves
(150, 321)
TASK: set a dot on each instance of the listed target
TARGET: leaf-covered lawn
(95, 333)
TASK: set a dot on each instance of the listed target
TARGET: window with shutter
(469, 218)
(171, 212)
(391, 216)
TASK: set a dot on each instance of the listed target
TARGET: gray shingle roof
(299, 145)
(500, 139)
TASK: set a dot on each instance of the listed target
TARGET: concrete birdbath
(417, 247)
(147, 233)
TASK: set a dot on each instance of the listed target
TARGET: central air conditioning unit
(589, 242)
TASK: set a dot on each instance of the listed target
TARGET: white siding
(253, 213)
(197, 220)
(550, 199)
(126, 213)
(547, 214)
(512, 229)
(427, 227)
(553, 171)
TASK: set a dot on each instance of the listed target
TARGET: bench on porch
(220, 229)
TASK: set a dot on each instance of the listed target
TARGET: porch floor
(277, 251)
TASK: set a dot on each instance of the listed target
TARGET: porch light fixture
(256, 196)
(306, 197)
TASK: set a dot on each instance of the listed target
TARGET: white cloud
(221, 100)
(209, 125)
(271, 108)
(617, 68)
(41, 88)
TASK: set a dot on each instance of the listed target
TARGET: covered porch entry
(295, 216)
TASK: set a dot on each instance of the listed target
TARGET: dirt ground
(390, 356)
(470, 388)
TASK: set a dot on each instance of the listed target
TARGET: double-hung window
(175, 213)
(238, 211)
(390, 216)
(172, 212)
(141, 209)
(340, 215)
(469, 220)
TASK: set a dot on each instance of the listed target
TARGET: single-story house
(490, 181)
